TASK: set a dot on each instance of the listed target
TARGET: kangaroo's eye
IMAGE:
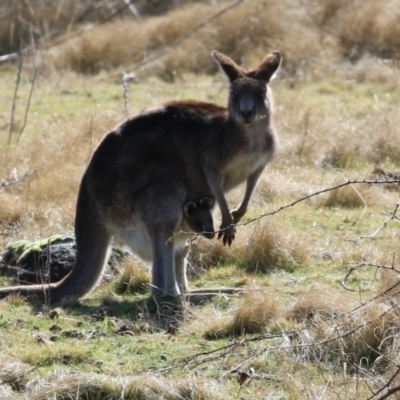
(261, 95)
(234, 94)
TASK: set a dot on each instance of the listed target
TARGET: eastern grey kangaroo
(144, 172)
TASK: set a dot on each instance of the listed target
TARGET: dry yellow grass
(256, 309)
(13, 372)
(270, 245)
(315, 303)
(97, 387)
(134, 277)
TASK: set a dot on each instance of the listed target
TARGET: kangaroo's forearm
(251, 184)
(217, 190)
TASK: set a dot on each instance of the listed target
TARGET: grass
(134, 277)
(295, 322)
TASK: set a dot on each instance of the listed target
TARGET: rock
(48, 260)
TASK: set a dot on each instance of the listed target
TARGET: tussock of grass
(13, 372)
(335, 335)
(208, 253)
(316, 303)
(269, 246)
(353, 196)
(256, 310)
(347, 196)
(341, 157)
(365, 336)
(134, 278)
(16, 300)
(260, 249)
(48, 354)
(100, 386)
(7, 393)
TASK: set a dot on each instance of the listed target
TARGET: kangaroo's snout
(247, 115)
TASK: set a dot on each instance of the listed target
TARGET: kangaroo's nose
(247, 114)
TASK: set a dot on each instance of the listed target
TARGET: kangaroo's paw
(227, 234)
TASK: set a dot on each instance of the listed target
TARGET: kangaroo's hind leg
(159, 209)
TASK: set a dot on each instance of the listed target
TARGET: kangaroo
(145, 170)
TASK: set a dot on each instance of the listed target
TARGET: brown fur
(144, 172)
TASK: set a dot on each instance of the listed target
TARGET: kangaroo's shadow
(144, 314)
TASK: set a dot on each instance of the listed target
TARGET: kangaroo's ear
(188, 208)
(208, 201)
(228, 66)
(267, 68)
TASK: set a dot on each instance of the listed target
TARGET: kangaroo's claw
(227, 234)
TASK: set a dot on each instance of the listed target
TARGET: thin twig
(387, 384)
(28, 104)
(125, 85)
(15, 98)
(133, 9)
(18, 180)
(343, 281)
(372, 235)
(226, 349)
(390, 392)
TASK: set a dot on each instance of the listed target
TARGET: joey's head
(199, 217)
(248, 98)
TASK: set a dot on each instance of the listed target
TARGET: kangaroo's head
(248, 99)
(199, 217)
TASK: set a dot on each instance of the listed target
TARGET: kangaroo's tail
(92, 242)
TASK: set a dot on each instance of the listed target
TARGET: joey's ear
(267, 68)
(188, 208)
(208, 201)
(231, 69)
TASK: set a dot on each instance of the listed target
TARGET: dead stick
(15, 98)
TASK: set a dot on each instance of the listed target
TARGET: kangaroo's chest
(249, 157)
(241, 167)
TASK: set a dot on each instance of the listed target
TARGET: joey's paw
(228, 235)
